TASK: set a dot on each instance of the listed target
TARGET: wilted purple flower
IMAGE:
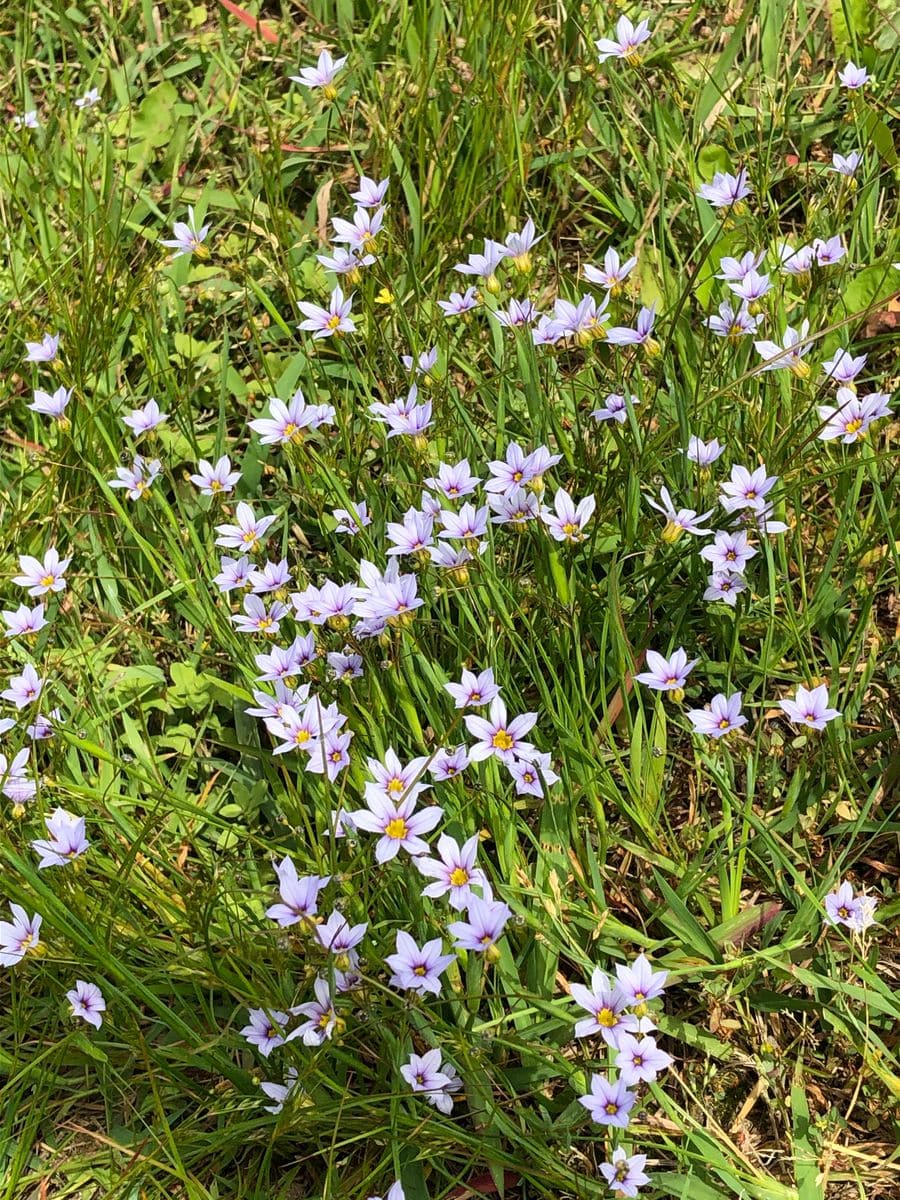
(704, 454)
(400, 826)
(627, 42)
(247, 534)
(459, 303)
(625, 1174)
(722, 716)
(679, 520)
(733, 323)
(138, 478)
(143, 420)
(854, 77)
(418, 969)
(566, 521)
(66, 842)
(614, 272)
(609, 1103)
(810, 707)
(500, 737)
(333, 320)
(23, 689)
(299, 894)
(729, 552)
(843, 367)
(454, 872)
(746, 489)
(87, 1002)
(667, 674)
(842, 907)
(52, 405)
(321, 75)
(846, 165)
(24, 620)
(727, 191)
(19, 936)
(188, 238)
(486, 920)
(279, 1092)
(45, 350)
(519, 314)
(607, 1004)
(615, 408)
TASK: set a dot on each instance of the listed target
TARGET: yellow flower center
(47, 581)
(724, 723)
(854, 426)
(570, 529)
(502, 741)
(611, 1108)
(419, 970)
(607, 1018)
(459, 876)
(396, 828)
(396, 786)
(333, 322)
(301, 737)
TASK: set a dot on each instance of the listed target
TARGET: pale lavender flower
(846, 165)
(454, 871)
(321, 75)
(726, 191)
(667, 674)
(473, 690)
(613, 273)
(725, 586)
(454, 480)
(424, 1072)
(352, 522)
(332, 755)
(279, 1092)
(566, 521)
(45, 350)
(704, 454)
(344, 261)
(854, 416)
(469, 524)
(809, 707)
(796, 262)
(44, 725)
(842, 368)
(722, 716)
(390, 598)
(256, 618)
(519, 314)
(733, 323)
(392, 781)
(519, 246)
(273, 577)
(615, 408)
(640, 1061)
(625, 1173)
(138, 478)
(299, 894)
(28, 120)
(143, 420)
(394, 1192)
(51, 404)
(423, 364)
(303, 730)
(854, 77)
(286, 702)
(829, 251)
(735, 269)
(333, 320)
(679, 520)
(87, 1002)
(265, 1030)
(627, 42)
(247, 534)
(418, 969)
(582, 321)
(215, 479)
(447, 764)
(746, 489)
(24, 620)
(287, 422)
(370, 194)
(24, 689)
(842, 907)
(345, 665)
(639, 983)
(752, 287)
(513, 508)
(729, 552)
(321, 1017)
(623, 335)
(16, 784)
(499, 737)
(89, 99)
(484, 265)
(400, 826)
(486, 921)
(546, 332)
(413, 535)
(531, 777)
(234, 573)
(361, 233)
(609, 1103)
(66, 842)
(19, 936)
(338, 936)
(188, 239)
(518, 469)
(607, 1005)
(459, 303)
(404, 416)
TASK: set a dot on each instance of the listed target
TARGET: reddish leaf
(250, 21)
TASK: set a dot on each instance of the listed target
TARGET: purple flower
(272, 577)
(843, 367)
(66, 842)
(87, 1002)
(370, 194)
(500, 737)
(280, 1092)
(19, 936)
(704, 454)
(729, 552)
(188, 239)
(454, 872)
(331, 755)
(484, 927)
(829, 251)
(566, 521)
(321, 1018)
(14, 777)
(425, 1073)
(733, 323)
(338, 937)
(789, 354)
(846, 165)
(352, 521)
(854, 77)
(735, 269)
(752, 287)
(393, 781)
(680, 520)
(531, 775)
(45, 350)
(388, 598)
(247, 534)
(853, 417)
(615, 408)
(796, 262)
(609, 1103)
(640, 1061)
(299, 894)
(287, 422)
(623, 335)
(321, 75)
(24, 620)
(473, 690)
(469, 524)
(513, 508)
(423, 365)
(413, 535)
(234, 573)
(519, 246)
(667, 674)
(418, 969)
(607, 1004)
(400, 826)
(629, 38)
(725, 586)
(394, 1192)
(518, 315)
(256, 618)
(453, 481)
(726, 191)
(625, 1174)
(582, 322)
(213, 480)
(360, 234)
(143, 420)
(265, 1030)
(842, 907)
(810, 707)
(722, 716)
(344, 665)
(404, 416)
(519, 469)
(614, 271)
(746, 489)
(137, 479)
(484, 265)
(459, 303)
(639, 983)
(23, 689)
(52, 405)
(447, 764)
(333, 320)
